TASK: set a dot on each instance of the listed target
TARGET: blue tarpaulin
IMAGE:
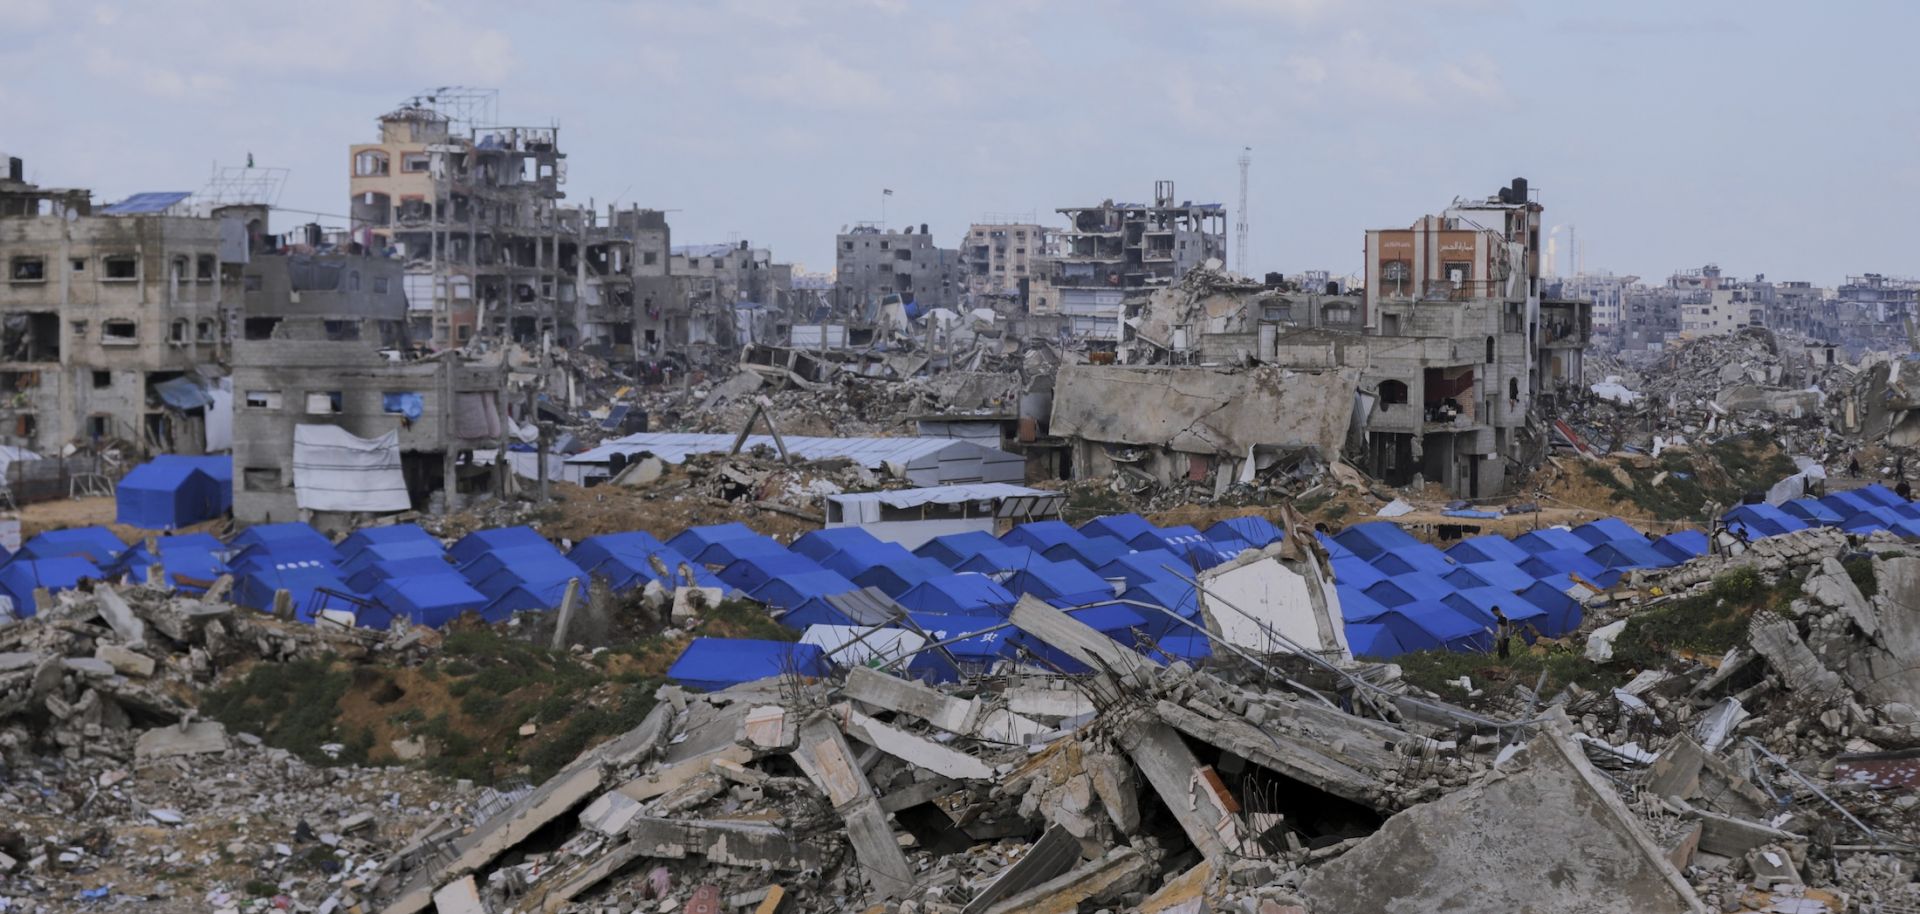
(1092, 551)
(713, 664)
(1551, 539)
(395, 551)
(1042, 535)
(363, 576)
(897, 578)
(287, 538)
(1563, 612)
(1628, 554)
(1123, 527)
(255, 590)
(1142, 567)
(537, 596)
(1369, 540)
(1683, 545)
(749, 573)
(1409, 559)
(488, 564)
(1606, 530)
(528, 572)
(726, 552)
(595, 549)
(1757, 521)
(390, 535)
(1003, 559)
(164, 496)
(958, 594)
(1355, 571)
(1255, 530)
(695, 540)
(1503, 575)
(410, 405)
(1069, 581)
(1372, 640)
(481, 542)
(1409, 588)
(1477, 603)
(819, 544)
(429, 600)
(859, 557)
(97, 545)
(1562, 561)
(1487, 549)
(790, 590)
(1431, 625)
(1880, 495)
(20, 576)
(952, 549)
(1813, 511)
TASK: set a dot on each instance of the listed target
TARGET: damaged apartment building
(1439, 370)
(339, 416)
(476, 218)
(731, 294)
(1113, 251)
(113, 320)
(627, 306)
(876, 266)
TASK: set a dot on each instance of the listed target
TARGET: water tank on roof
(1519, 190)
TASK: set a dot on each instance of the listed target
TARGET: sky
(1762, 135)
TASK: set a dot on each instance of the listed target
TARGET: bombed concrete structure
(875, 265)
(474, 210)
(1000, 256)
(113, 321)
(1109, 249)
(725, 290)
(338, 416)
(628, 307)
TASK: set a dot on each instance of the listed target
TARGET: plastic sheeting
(336, 470)
(476, 414)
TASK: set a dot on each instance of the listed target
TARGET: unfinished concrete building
(876, 266)
(1111, 250)
(730, 293)
(113, 321)
(338, 416)
(476, 217)
(999, 257)
(627, 307)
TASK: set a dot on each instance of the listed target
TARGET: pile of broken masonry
(1779, 777)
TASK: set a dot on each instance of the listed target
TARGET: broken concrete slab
(1312, 763)
(610, 813)
(1121, 870)
(917, 751)
(460, 896)
(125, 660)
(1169, 767)
(830, 763)
(1079, 640)
(961, 717)
(120, 617)
(1046, 859)
(1778, 640)
(197, 738)
(749, 844)
(1482, 848)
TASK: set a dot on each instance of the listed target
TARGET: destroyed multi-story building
(338, 415)
(1000, 256)
(113, 321)
(474, 211)
(729, 293)
(1871, 311)
(1111, 251)
(1606, 292)
(874, 265)
(628, 307)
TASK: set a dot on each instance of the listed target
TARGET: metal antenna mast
(1240, 226)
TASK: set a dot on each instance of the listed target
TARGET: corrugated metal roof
(676, 447)
(942, 495)
(147, 203)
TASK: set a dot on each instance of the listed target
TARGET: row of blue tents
(1864, 510)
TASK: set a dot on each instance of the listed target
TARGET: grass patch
(1440, 671)
(1860, 569)
(290, 705)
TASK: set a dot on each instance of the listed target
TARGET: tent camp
(97, 545)
(954, 548)
(1092, 551)
(166, 494)
(431, 600)
(713, 664)
(21, 576)
(481, 542)
(1123, 527)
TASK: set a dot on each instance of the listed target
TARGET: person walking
(1502, 633)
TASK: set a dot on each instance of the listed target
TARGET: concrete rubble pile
(118, 795)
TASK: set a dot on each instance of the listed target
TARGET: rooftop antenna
(1240, 227)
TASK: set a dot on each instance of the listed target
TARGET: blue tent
(1067, 581)
(20, 576)
(1487, 548)
(1370, 539)
(788, 591)
(1410, 588)
(857, 558)
(1179, 597)
(1005, 558)
(429, 600)
(1368, 639)
(623, 571)
(1356, 606)
(1092, 551)
(1757, 521)
(1042, 535)
(488, 564)
(1333, 547)
(1190, 647)
(1431, 625)
(288, 537)
(218, 467)
(1562, 561)
(258, 558)
(896, 578)
(726, 552)
(1563, 612)
(370, 574)
(1813, 511)
(1356, 571)
(1206, 553)
(481, 542)
(538, 596)
(97, 545)
(1477, 604)
(994, 641)
(1142, 567)
(1172, 539)
(1418, 557)
(954, 548)
(958, 594)
(1878, 519)
(1503, 575)
(1257, 531)
(695, 540)
(819, 544)
(634, 543)
(164, 495)
(1628, 554)
(712, 664)
(1551, 539)
(1847, 504)
(749, 573)
(255, 590)
(1607, 530)
(389, 535)
(1682, 545)
(374, 554)
(536, 575)
(1881, 495)
(1123, 527)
